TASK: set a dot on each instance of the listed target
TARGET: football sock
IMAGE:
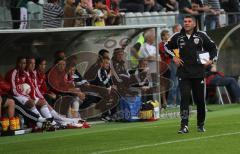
(34, 110)
(45, 111)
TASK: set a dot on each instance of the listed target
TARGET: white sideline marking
(164, 143)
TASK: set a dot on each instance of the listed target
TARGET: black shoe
(183, 130)
(201, 129)
(46, 125)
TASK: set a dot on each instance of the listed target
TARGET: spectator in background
(132, 5)
(216, 78)
(101, 13)
(113, 16)
(231, 6)
(185, 8)
(52, 14)
(15, 13)
(5, 6)
(22, 4)
(176, 28)
(212, 19)
(197, 5)
(83, 12)
(152, 5)
(69, 12)
(88, 2)
(19, 12)
(113, 5)
(174, 96)
(166, 59)
(148, 50)
(135, 54)
(170, 5)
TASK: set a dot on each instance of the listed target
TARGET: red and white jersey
(58, 81)
(16, 79)
(41, 81)
(33, 81)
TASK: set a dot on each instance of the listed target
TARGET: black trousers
(196, 85)
(27, 114)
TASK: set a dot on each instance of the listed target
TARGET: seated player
(60, 86)
(104, 79)
(42, 88)
(19, 80)
(12, 104)
(6, 103)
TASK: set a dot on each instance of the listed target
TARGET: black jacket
(188, 51)
(103, 78)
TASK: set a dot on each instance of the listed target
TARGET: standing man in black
(190, 43)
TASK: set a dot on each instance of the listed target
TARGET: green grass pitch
(222, 136)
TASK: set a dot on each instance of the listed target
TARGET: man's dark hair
(102, 52)
(117, 50)
(58, 59)
(192, 17)
(39, 60)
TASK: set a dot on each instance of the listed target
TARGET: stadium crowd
(75, 13)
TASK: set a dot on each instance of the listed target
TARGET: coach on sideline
(192, 44)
